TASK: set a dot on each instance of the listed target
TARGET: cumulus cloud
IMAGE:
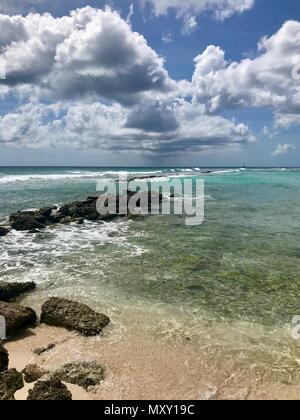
(265, 81)
(91, 51)
(153, 117)
(115, 127)
(283, 149)
(87, 80)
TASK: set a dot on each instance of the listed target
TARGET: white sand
(143, 366)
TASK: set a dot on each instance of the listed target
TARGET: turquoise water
(243, 263)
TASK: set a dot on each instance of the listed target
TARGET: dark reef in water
(78, 211)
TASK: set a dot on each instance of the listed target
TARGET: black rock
(27, 220)
(42, 350)
(10, 382)
(3, 231)
(10, 291)
(51, 390)
(4, 358)
(73, 316)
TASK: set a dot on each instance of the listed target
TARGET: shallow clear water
(242, 265)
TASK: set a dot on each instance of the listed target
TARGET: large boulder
(73, 316)
(4, 359)
(3, 231)
(10, 382)
(10, 291)
(51, 390)
(17, 317)
(82, 374)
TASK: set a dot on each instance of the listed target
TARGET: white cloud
(105, 87)
(178, 127)
(167, 37)
(222, 9)
(189, 10)
(130, 14)
(94, 50)
(190, 25)
(283, 149)
(265, 81)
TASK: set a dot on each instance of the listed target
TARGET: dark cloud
(153, 118)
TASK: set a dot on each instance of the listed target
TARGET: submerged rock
(42, 350)
(73, 316)
(33, 372)
(10, 382)
(3, 231)
(4, 358)
(17, 317)
(83, 374)
(10, 291)
(51, 390)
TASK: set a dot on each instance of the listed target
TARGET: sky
(150, 82)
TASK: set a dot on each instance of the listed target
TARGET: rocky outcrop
(77, 211)
(73, 316)
(10, 382)
(33, 372)
(81, 374)
(33, 220)
(27, 220)
(4, 358)
(3, 231)
(10, 291)
(17, 317)
(51, 390)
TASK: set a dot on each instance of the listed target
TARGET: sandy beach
(142, 361)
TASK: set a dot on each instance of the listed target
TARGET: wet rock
(27, 220)
(10, 382)
(17, 317)
(73, 316)
(82, 374)
(51, 390)
(92, 217)
(10, 291)
(33, 372)
(42, 350)
(4, 358)
(33, 220)
(3, 231)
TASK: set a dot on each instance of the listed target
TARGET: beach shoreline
(143, 363)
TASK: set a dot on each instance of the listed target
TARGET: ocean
(232, 283)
